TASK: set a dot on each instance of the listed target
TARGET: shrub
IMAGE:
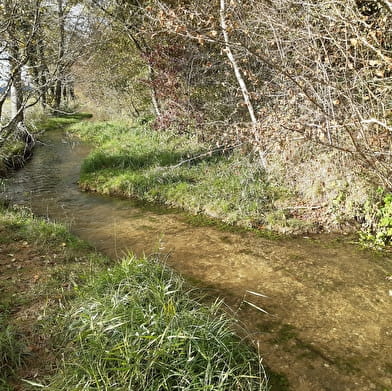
(378, 229)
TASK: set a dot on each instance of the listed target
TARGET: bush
(378, 230)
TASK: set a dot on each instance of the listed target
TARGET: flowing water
(328, 319)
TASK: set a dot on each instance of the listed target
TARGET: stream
(328, 319)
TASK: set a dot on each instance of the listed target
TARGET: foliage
(378, 230)
(135, 327)
(317, 71)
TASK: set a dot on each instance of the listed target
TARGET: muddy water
(329, 320)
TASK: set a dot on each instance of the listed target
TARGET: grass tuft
(137, 328)
(12, 350)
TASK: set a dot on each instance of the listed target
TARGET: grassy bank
(71, 319)
(133, 161)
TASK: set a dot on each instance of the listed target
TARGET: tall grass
(137, 328)
(12, 349)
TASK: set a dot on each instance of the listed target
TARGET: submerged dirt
(328, 319)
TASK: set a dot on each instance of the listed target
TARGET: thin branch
(208, 153)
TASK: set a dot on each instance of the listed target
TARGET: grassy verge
(48, 123)
(73, 320)
(134, 161)
(39, 264)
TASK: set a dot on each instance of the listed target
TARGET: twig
(304, 207)
(255, 306)
(376, 121)
(205, 154)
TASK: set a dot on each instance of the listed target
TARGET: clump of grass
(12, 350)
(25, 226)
(136, 328)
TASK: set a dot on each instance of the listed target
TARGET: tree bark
(17, 84)
(237, 71)
(61, 51)
(154, 100)
(240, 79)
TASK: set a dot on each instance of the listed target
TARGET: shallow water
(329, 320)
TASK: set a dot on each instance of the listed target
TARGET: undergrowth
(377, 231)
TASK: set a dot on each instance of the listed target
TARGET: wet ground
(326, 320)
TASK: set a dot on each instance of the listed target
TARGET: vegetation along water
(230, 195)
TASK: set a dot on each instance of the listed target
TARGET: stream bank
(132, 160)
(328, 325)
(130, 317)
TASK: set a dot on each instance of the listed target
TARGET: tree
(20, 26)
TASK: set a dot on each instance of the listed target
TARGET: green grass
(51, 122)
(135, 327)
(132, 325)
(21, 224)
(12, 349)
(134, 161)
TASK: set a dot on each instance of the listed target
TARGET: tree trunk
(240, 79)
(43, 72)
(154, 100)
(17, 85)
(61, 51)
